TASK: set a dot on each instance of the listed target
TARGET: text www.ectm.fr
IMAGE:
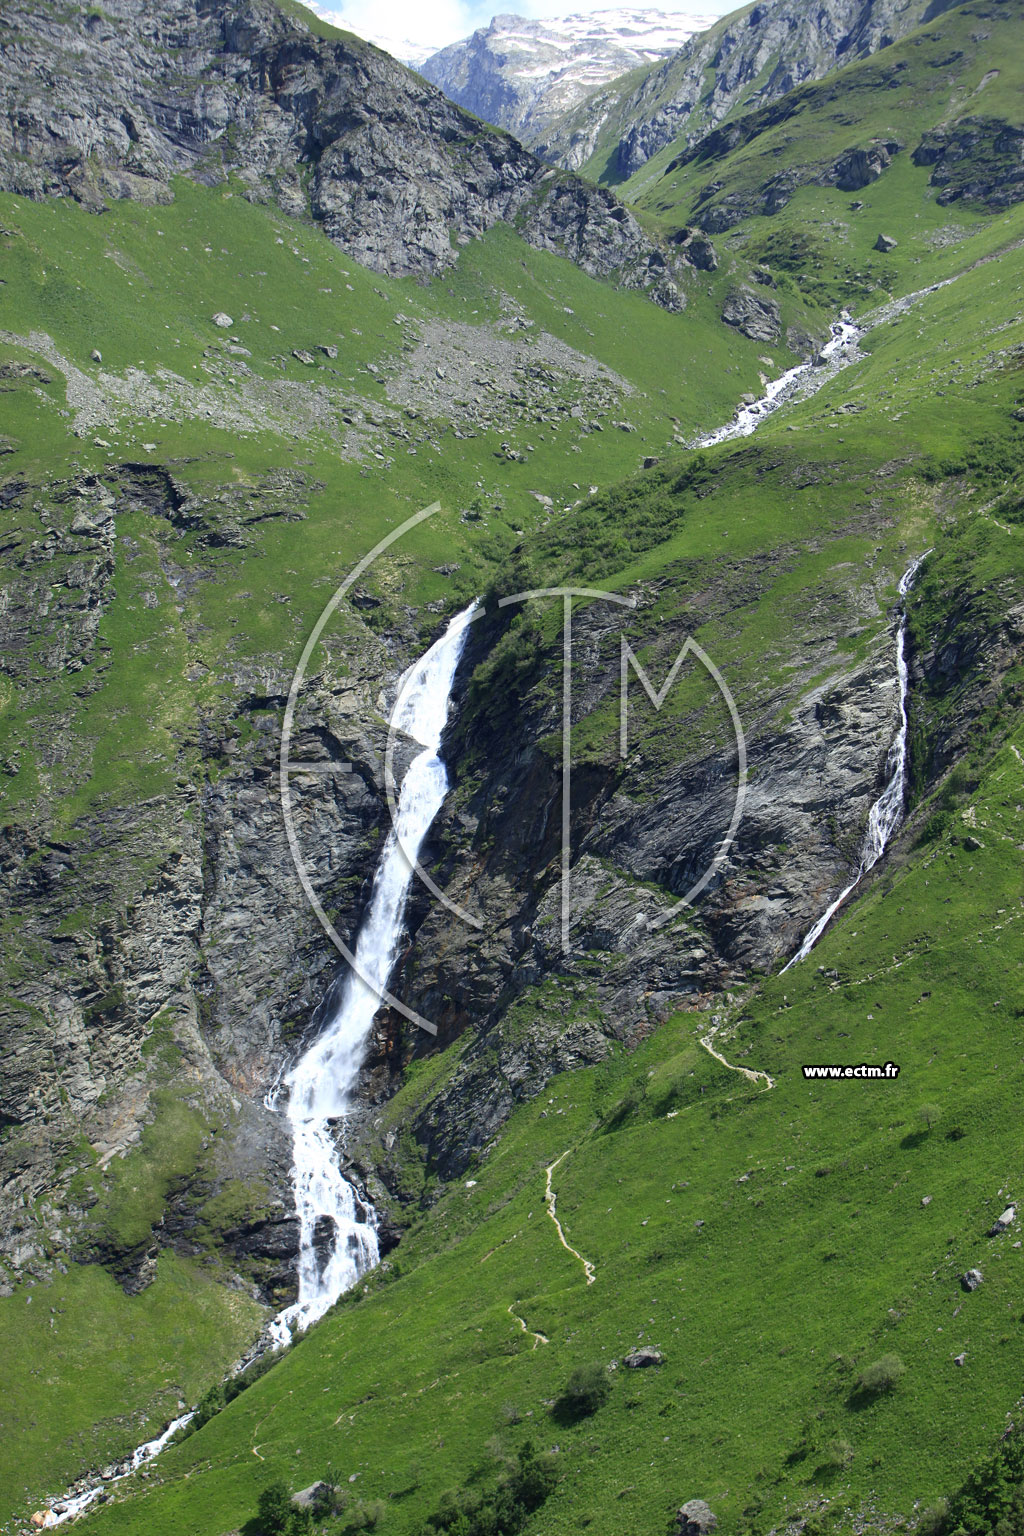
(890, 1070)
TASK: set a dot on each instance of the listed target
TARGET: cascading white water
(838, 351)
(887, 812)
(320, 1083)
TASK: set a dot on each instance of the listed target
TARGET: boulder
(637, 1359)
(96, 355)
(328, 349)
(858, 168)
(971, 1280)
(302, 356)
(222, 320)
(886, 243)
(1002, 1222)
(316, 1496)
(695, 1518)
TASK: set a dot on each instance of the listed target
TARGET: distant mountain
(524, 75)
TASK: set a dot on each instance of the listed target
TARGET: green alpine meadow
(511, 780)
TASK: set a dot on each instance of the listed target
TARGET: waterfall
(338, 1237)
(320, 1083)
(887, 812)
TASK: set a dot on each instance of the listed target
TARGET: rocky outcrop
(747, 61)
(114, 103)
(695, 1518)
(753, 314)
(858, 168)
(977, 160)
(166, 956)
(716, 212)
(642, 833)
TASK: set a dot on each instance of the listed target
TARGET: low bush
(587, 1390)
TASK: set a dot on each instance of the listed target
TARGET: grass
(774, 1244)
(159, 1350)
(805, 1203)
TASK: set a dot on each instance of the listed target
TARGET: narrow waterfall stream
(338, 1236)
(320, 1083)
(887, 812)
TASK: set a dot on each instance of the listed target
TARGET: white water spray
(73, 1505)
(887, 812)
(338, 1237)
(806, 378)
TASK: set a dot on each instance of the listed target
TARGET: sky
(431, 24)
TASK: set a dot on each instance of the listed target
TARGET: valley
(726, 386)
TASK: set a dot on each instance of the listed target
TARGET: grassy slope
(449, 1314)
(825, 1257)
(141, 285)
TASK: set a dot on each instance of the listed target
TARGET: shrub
(587, 1390)
(839, 1454)
(991, 1501)
(504, 1509)
(880, 1376)
(932, 1520)
(278, 1516)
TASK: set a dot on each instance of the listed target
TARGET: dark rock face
(977, 160)
(639, 837)
(858, 168)
(114, 104)
(754, 315)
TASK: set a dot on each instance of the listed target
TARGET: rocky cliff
(116, 102)
(752, 58)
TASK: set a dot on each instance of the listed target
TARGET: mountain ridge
(524, 74)
(752, 57)
(265, 97)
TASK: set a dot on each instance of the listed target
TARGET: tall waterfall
(338, 1237)
(887, 812)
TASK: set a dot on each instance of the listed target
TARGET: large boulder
(637, 1359)
(858, 168)
(695, 1518)
(1001, 1223)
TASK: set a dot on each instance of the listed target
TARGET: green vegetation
(991, 1501)
(587, 1390)
(794, 1252)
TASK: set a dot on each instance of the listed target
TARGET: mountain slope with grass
(754, 56)
(213, 408)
